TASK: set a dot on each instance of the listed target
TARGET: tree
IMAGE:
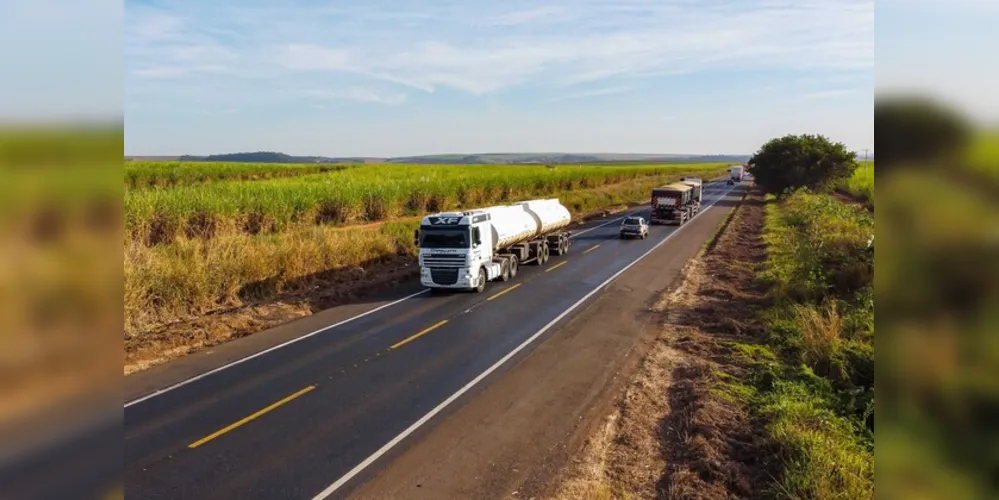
(916, 130)
(794, 161)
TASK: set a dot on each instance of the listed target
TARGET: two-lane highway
(312, 417)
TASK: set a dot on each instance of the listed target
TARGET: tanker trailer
(464, 250)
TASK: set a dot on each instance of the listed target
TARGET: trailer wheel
(505, 270)
(514, 264)
(542, 254)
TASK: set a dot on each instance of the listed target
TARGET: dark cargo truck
(674, 203)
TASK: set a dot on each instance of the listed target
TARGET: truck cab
(455, 250)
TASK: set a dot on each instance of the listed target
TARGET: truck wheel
(514, 264)
(480, 285)
(505, 270)
(542, 254)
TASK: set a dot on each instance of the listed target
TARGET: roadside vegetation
(861, 185)
(813, 377)
(194, 248)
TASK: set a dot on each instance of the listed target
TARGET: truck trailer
(464, 250)
(673, 203)
(698, 185)
(736, 173)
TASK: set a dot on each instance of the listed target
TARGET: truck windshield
(443, 238)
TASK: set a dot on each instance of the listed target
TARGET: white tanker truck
(464, 250)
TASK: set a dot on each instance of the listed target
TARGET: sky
(399, 77)
(387, 78)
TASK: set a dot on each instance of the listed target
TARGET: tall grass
(153, 174)
(367, 193)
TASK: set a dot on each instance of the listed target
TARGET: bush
(795, 161)
(818, 248)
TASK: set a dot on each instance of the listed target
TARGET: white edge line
(323, 329)
(261, 353)
(416, 425)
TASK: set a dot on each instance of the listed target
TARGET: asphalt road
(318, 416)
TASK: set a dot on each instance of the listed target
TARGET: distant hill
(484, 158)
(258, 157)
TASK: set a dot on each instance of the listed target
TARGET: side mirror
(476, 237)
(416, 237)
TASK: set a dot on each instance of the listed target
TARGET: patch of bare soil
(675, 434)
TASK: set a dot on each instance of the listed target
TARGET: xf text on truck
(464, 250)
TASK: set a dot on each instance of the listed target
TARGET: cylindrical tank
(549, 214)
(510, 225)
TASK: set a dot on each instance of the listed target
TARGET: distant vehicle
(736, 173)
(674, 203)
(634, 227)
(464, 250)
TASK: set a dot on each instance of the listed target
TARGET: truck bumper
(452, 279)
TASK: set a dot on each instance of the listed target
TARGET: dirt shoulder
(516, 435)
(676, 433)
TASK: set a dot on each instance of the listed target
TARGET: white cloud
(359, 94)
(476, 51)
(827, 94)
(313, 57)
(584, 94)
(154, 72)
(544, 14)
(817, 34)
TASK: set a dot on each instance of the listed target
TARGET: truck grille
(443, 260)
(444, 276)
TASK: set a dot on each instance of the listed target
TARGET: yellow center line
(504, 291)
(418, 335)
(594, 247)
(556, 266)
(247, 419)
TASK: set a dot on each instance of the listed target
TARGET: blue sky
(388, 78)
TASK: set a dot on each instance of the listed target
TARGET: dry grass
(821, 328)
